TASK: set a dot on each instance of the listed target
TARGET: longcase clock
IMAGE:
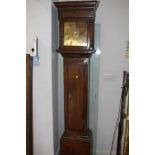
(76, 44)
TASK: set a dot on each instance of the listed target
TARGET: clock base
(76, 145)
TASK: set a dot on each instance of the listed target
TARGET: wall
(38, 17)
(113, 17)
(55, 81)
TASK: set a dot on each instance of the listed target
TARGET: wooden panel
(77, 5)
(76, 77)
(76, 145)
(29, 148)
(79, 13)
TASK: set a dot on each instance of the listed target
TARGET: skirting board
(99, 152)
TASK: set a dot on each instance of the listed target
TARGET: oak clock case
(76, 44)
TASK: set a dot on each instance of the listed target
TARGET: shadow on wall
(94, 86)
(55, 81)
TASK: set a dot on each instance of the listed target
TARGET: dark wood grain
(29, 133)
(76, 94)
(77, 138)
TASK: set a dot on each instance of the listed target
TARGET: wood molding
(29, 132)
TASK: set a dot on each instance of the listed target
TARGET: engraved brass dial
(75, 34)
